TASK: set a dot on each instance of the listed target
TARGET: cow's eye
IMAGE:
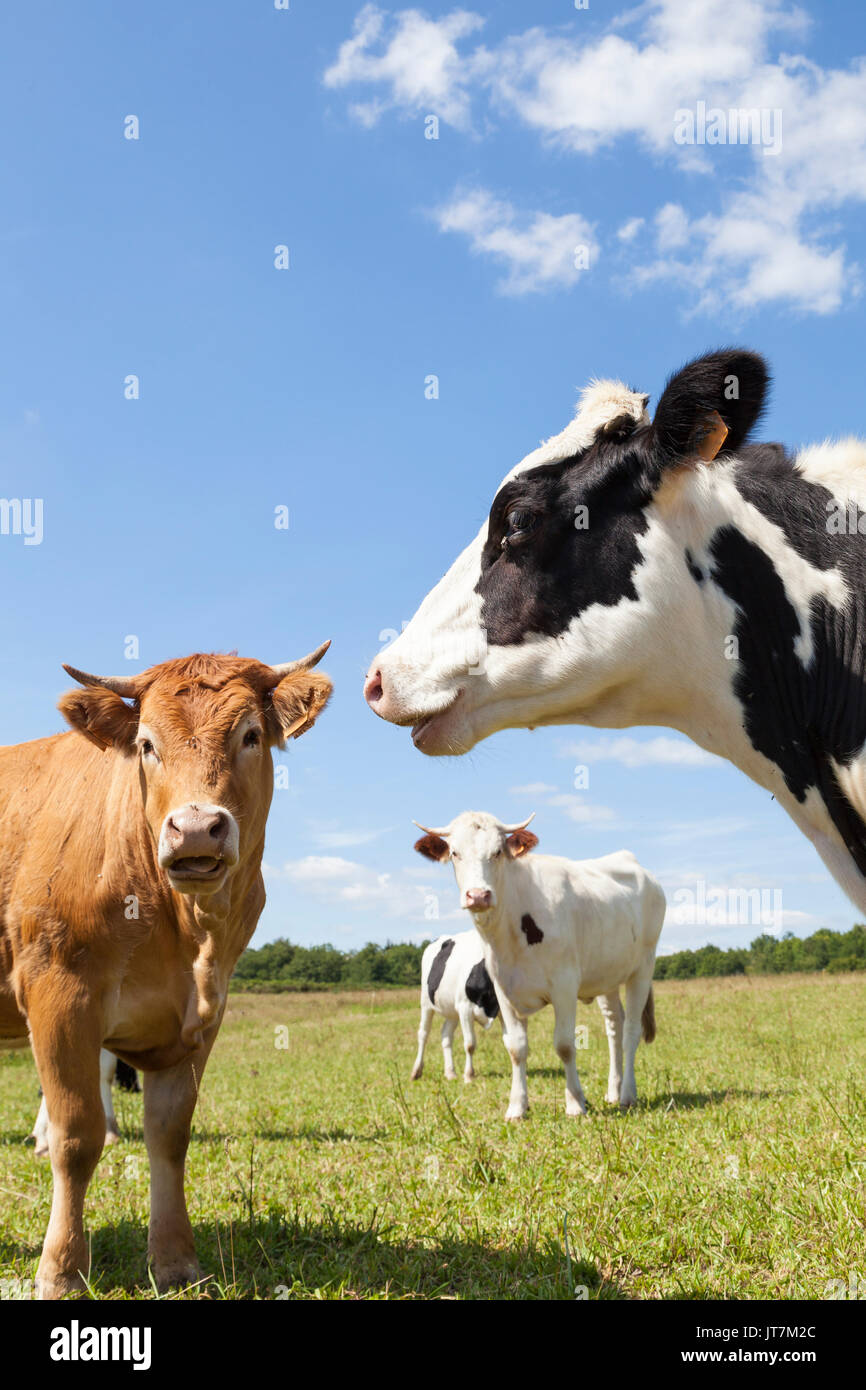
(147, 748)
(519, 522)
(251, 738)
(454, 854)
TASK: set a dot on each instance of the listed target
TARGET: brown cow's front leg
(66, 1046)
(169, 1102)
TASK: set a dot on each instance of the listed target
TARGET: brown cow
(130, 882)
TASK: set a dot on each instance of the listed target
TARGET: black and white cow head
(562, 608)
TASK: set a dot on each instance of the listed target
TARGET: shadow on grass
(273, 1258)
(278, 1257)
(700, 1100)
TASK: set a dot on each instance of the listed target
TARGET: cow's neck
(217, 927)
(768, 637)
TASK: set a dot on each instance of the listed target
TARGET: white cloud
(538, 250)
(328, 835)
(533, 789)
(583, 812)
(661, 751)
(769, 236)
(418, 65)
(629, 230)
(346, 882)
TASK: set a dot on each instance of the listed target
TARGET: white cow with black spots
(456, 985)
(555, 931)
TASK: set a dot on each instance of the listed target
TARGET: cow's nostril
(219, 827)
(373, 688)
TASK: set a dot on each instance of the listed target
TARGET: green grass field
(319, 1170)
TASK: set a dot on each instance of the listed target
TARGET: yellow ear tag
(710, 436)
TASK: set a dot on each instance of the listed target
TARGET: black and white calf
(111, 1071)
(455, 984)
(665, 572)
(555, 931)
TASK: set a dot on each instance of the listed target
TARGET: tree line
(280, 965)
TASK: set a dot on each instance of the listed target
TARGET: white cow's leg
(40, 1130)
(517, 1045)
(107, 1068)
(565, 1010)
(423, 1035)
(448, 1028)
(468, 1030)
(636, 991)
(612, 1011)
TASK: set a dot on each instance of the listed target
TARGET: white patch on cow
(838, 465)
(600, 403)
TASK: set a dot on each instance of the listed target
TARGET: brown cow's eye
(251, 738)
(146, 747)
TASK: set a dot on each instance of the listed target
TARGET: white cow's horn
(510, 829)
(427, 831)
(306, 663)
(121, 685)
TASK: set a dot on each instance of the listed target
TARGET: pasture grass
(319, 1171)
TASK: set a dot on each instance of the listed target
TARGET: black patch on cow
(480, 991)
(549, 570)
(694, 568)
(532, 933)
(437, 969)
(799, 717)
(540, 569)
(126, 1077)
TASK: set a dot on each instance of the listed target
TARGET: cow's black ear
(709, 406)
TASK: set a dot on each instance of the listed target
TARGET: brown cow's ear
(433, 847)
(521, 842)
(296, 704)
(102, 716)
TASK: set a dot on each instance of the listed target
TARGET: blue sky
(304, 387)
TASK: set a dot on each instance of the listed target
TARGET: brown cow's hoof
(52, 1287)
(171, 1274)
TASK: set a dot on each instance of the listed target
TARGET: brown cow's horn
(121, 685)
(510, 829)
(427, 831)
(306, 663)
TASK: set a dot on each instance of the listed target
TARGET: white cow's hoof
(510, 1117)
(112, 1136)
(627, 1102)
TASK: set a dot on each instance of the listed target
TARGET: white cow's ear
(521, 842)
(433, 847)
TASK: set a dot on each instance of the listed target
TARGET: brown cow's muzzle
(198, 845)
